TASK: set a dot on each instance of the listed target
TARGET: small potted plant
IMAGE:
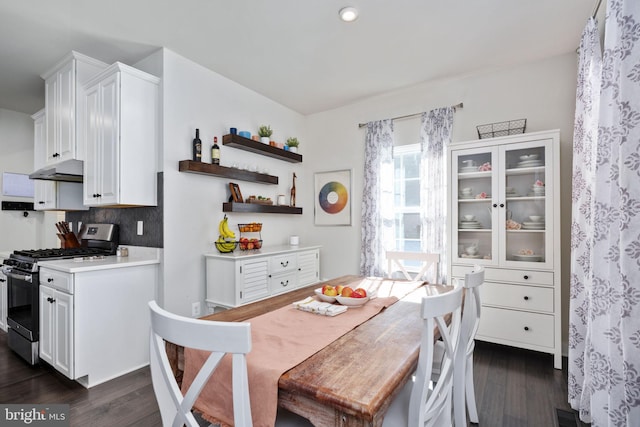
(265, 133)
(293, 143)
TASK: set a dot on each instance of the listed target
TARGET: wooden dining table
(353, 380)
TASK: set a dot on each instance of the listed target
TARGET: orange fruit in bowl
(346, 292)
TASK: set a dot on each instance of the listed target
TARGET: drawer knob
(495, 205)
(285, 283)
(526, 298)
(502, 205)
(526, 277)
(284, 264)
(50, 279)
(526, 328)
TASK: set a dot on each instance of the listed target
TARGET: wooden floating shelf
(254, 207)
(225, 172)
(247, 144)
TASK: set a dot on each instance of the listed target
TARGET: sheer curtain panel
(377, 198)
(435, 136)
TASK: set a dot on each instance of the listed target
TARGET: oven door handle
(10, 274)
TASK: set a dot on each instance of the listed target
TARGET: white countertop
(266, 250)
(137, 257)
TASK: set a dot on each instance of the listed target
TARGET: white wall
(195, 97)
(16, 146)
(542, 92)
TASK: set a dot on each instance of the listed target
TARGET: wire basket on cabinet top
(492, 130)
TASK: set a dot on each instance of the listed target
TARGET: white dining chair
(428, 263)
(464, 396)
(218, 337)
(422, 402)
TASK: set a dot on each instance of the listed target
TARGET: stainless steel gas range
(23, 282)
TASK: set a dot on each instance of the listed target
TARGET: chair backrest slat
(429, 406)
(220, 338)
(428, 262)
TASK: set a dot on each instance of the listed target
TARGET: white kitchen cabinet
(3, 301)
(504, 199)
(240, 277)
(63, 95)
(57, 195)
(56, 329)
(121, 120)
(51, 195)
(94, 324)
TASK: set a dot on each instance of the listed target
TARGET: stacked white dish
(529, 258)
(511, 192)
(537, 191)
(535, 223)
(472, 224)
(529, 161)
(466, 169)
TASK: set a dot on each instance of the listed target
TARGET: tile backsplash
(127, 219)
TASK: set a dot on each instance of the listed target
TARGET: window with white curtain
(406, 191)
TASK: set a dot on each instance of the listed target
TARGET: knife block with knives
(66, 236)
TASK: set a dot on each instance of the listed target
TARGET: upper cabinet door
(109, 147)
(527, 185)
(60, 114)
(474, 191)
(63, 90)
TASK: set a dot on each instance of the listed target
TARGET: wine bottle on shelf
(197, 147)
(215, 152)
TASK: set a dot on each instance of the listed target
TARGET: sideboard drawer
(282, 283)
(517, 296)
(518, 326)
(507, 275)
(283, 263)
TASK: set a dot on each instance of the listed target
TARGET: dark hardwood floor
(513, 388)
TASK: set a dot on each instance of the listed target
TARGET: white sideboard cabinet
(240, 277)
(504, 204)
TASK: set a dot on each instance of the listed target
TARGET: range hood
(67, 171)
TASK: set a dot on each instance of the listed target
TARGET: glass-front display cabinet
(504, 214)
(502, 198)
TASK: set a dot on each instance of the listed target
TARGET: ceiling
(295, 52)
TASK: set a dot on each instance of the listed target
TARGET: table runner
(281, 340)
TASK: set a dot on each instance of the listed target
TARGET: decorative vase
(293, 149)
(265, 139)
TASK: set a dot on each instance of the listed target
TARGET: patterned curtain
(435, 135)
(604, 363)
(377, 198)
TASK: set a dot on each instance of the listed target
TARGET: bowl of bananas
(225, 246)
(226, 242)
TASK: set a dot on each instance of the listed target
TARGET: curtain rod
(595, 10)
(460, 105)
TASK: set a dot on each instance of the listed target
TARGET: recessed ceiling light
(348, 14)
